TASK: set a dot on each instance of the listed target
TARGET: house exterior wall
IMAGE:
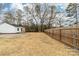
(18, 29)
(6, 28)
(23, 29)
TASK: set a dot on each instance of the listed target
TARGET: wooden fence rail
(69, 36)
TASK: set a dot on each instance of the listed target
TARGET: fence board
(69, 36)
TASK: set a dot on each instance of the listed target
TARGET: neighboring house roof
(12, 24)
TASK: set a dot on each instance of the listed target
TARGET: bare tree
(52, 15)
(9, 18)
(18, 16)
(31, 16)
(38, 15)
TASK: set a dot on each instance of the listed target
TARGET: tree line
(36, 17)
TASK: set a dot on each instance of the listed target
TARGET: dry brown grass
(33, 44)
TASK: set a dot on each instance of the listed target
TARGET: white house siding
(6, 28)
(23, 29)
(18, 29)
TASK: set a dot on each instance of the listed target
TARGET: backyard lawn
(33, 44)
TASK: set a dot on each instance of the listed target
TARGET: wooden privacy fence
(69, 36)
